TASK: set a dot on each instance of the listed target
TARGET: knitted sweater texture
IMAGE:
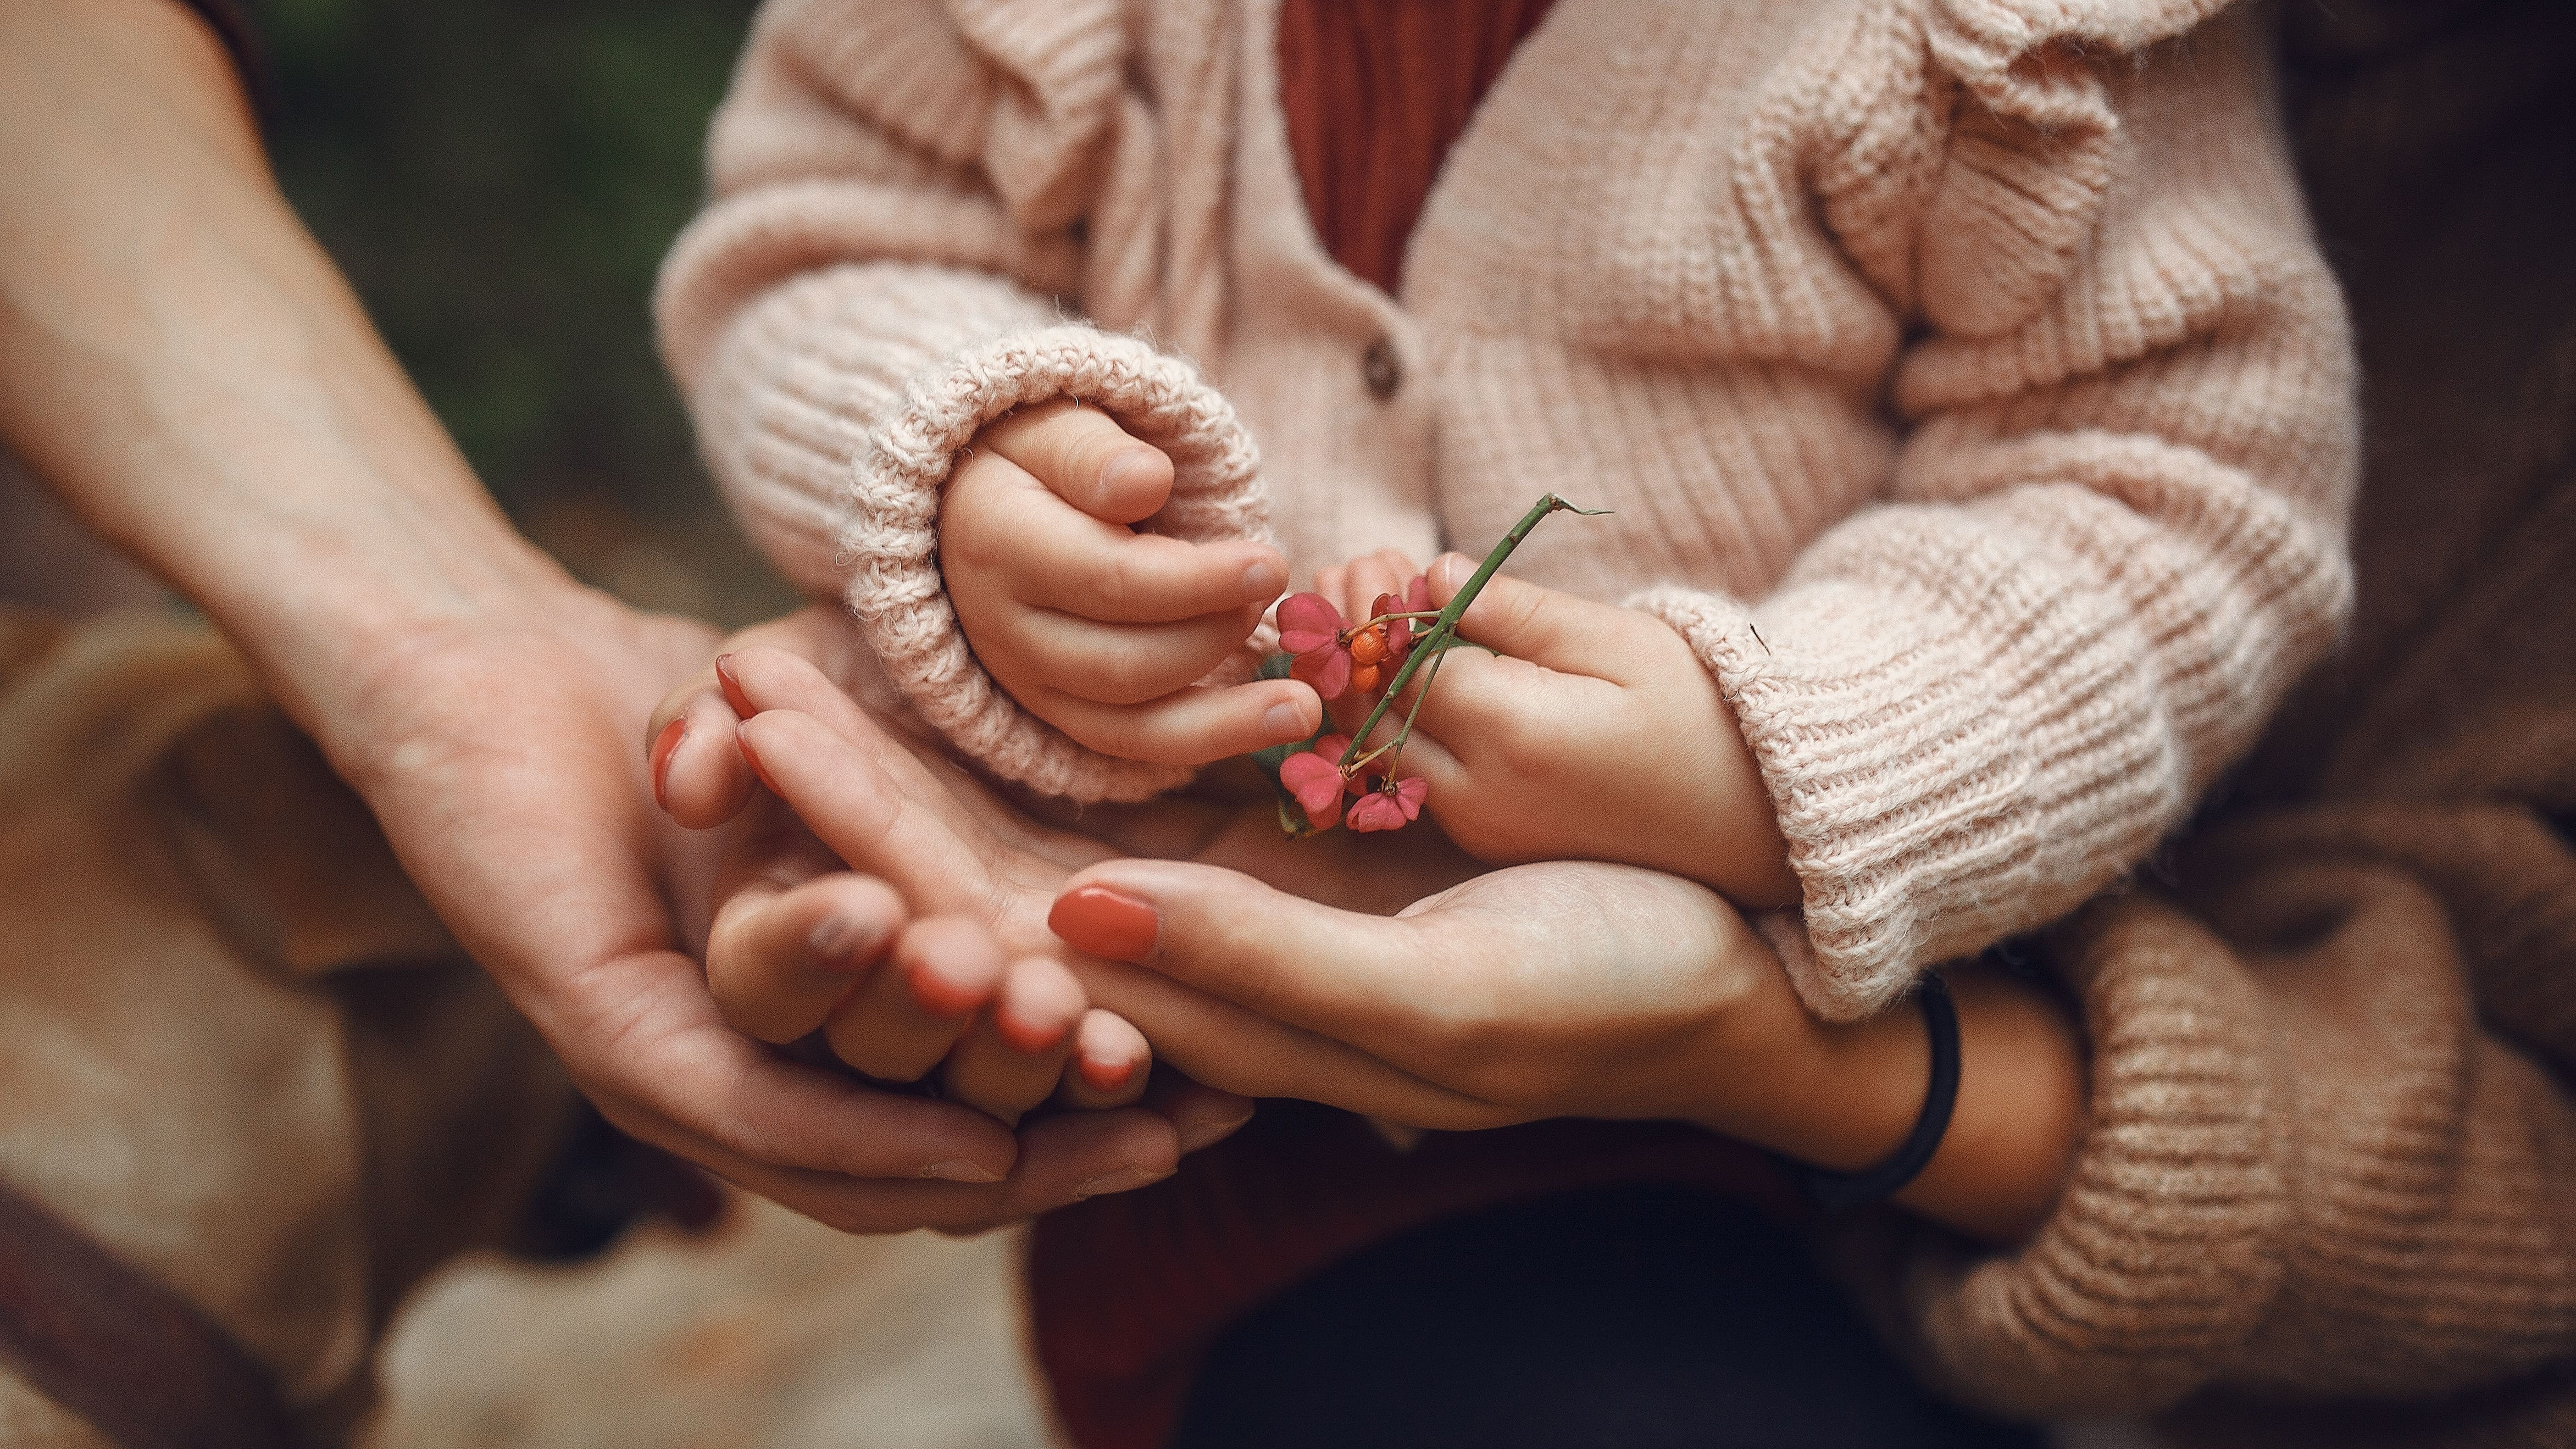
(1964, 380)
(2328, 1192)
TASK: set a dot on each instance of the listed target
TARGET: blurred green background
(500, 179)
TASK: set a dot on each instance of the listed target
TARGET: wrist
(1834, 1095)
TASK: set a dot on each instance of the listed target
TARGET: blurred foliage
(499, 180)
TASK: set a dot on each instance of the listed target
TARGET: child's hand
(1101, 631)
(1598, 735)
(801, 945)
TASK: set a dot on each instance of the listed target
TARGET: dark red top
(1127, 1292)
(1375, 92)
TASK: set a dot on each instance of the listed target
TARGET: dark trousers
(1632, 1318)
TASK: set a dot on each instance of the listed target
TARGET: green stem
(1436, 640)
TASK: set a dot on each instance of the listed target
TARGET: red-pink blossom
(1311, 629)
(1390, 806)
(1315, 778)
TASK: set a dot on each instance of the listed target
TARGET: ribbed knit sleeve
(2116, 529)
(2313, 1170)
(897, 198)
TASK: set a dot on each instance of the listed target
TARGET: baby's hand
(1099, 630)
(1596, 735)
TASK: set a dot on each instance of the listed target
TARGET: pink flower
(1400, 633)
(1390, 806)
(1315, 778)
(1311, 628)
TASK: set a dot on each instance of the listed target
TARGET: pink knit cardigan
(1975, 352)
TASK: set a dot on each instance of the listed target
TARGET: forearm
(182, 363)
(1851, 1093)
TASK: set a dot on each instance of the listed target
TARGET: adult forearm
(1850, 1094)
(183, 364)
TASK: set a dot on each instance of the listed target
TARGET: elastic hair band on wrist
(1843, 1191)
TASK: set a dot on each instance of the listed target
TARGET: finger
(1101, 571)
(1086, 458)
(698, 780)
(696, 1087)
(1011, 1058)
(784, 953)
(903, 1019)
(1191, 726)
(1110, 1063)
(1384, 572)
(1061, 1160)
(862, 802)
(1522, 620)
(1330, 582)
(1123, 664)
(1370, 981)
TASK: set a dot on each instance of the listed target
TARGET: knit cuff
(889, 546)
(2170, 1245)
(1907, 809)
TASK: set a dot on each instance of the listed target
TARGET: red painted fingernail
(1103, 922)
(733, 687)
(1107, 1076)
(1029, 1038)
(742, 739)
(665, 745)
(942, 997)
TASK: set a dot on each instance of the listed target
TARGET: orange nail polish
(942, 997)
(732, 687)
(1103, 922)
(1029, 1038)
(752, 757)
(666, 744)
(1107, 1076)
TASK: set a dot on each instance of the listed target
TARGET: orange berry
(1364, 678)
(1368, 645)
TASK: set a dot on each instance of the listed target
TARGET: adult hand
(180, 361)
(1545, 990)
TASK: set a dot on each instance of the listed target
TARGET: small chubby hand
(1578, 731)
(1094, 627)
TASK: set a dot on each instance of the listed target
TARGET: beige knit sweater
(1974, 351)
(2328, 1195)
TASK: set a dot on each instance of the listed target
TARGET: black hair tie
(1843, 1191)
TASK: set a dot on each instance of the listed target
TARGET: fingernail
(733, 687)
(1029, 1038)
(1285, 721)
(1208, 1134)
(1263, 580)
(839, 938)
(1125, 1179)
(1124, 467)
(665, 745)
(1105, 923)
(942, 997)
(958, 1169)
(742, 738)
(1107, 1076)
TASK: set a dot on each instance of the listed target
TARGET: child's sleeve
(2116, 530)
(898, 199)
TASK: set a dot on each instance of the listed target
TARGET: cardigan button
(1378, 368)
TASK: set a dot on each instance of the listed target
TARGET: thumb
(1087, 459)
(1310, 1001)
(1556, 631)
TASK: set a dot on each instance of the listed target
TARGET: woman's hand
(1548, 990)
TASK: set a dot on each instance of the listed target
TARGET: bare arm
(184, 365)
